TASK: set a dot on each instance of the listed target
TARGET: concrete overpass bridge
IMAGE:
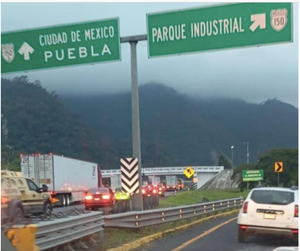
(203, 173)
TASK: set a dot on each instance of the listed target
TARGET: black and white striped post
(130, 175)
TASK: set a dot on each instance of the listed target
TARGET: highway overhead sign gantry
(57, 46)
(253, 175)
(218, 27)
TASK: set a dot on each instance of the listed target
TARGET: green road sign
(253, 175)
(57, 46)
(218, 27)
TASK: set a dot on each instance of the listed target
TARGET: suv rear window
(272, 197)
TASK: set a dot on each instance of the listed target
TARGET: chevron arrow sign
(130, 175)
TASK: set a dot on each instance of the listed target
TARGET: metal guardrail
(69, 230)
(139, 219)
(149, 202)
(77, 228)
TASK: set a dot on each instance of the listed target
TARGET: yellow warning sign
(278, 167)
(189, 172)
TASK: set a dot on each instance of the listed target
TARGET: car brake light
(245, 207)
(105, 196)
(243, 227)
(160, 189)
(295, 231)
(154, 191)
(296, 211)
(143, 191)
(4, 200)
(89, 197)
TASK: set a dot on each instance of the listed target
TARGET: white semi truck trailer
(68, 179)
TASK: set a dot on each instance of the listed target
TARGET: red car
(99, 197)
(161, 191)
(147, 190)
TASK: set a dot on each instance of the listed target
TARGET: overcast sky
(253, 74)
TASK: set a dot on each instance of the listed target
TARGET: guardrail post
(82, 245)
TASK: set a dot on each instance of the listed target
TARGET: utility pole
(247, 143)
(248, 155)
(232, 147)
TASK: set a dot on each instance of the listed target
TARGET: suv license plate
(97, 199)
(270, 216)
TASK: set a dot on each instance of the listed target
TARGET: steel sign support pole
(136, 144)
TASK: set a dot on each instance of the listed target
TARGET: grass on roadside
(197, 196)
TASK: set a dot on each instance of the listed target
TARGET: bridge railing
(167, 170)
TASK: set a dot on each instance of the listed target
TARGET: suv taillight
(4, 200)
(245, 207)
(296, 211)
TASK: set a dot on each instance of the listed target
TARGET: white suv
(269, 210)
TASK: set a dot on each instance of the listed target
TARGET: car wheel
(48, 208)
(64, 201)
(67, 200)
(242, 235)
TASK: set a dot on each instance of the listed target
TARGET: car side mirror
(39, 190)
(44, 188)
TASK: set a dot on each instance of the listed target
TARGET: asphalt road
(223, 238)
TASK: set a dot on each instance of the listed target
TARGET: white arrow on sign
(259, 20)
(25, 50)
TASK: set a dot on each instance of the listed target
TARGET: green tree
(289, 157)
(9, 159)
(289, 177)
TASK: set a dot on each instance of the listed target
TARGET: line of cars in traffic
(100, 197)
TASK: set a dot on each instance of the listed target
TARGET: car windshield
(99, 190)
(272, 197)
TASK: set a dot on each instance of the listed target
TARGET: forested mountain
(36, 121)
(176, 130)
(179, 130)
